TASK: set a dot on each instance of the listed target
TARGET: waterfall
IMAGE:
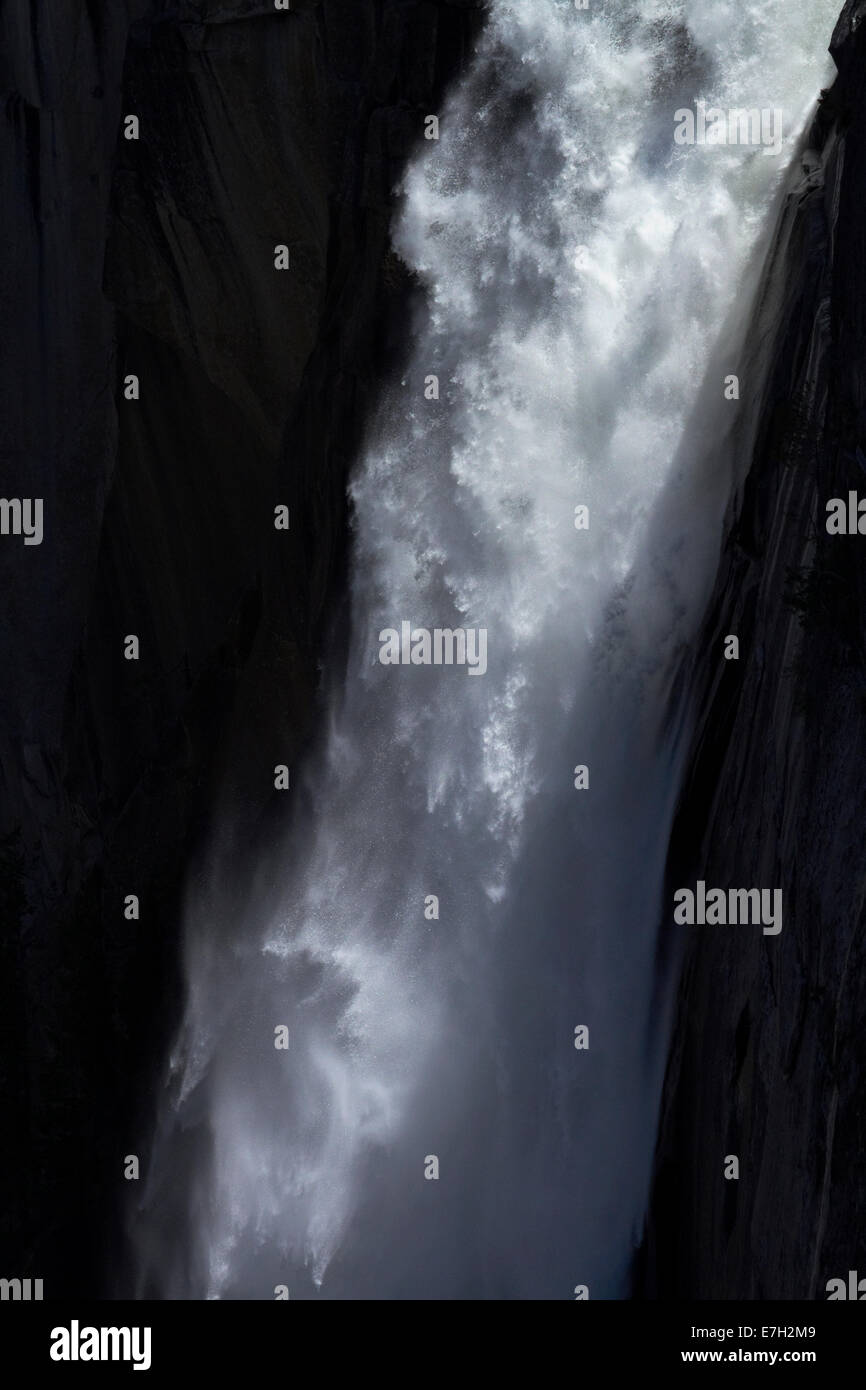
(586, 292)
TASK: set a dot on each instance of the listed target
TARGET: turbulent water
(581, 269)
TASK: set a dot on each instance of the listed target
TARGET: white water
(567, 377)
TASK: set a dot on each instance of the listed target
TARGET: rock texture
(767, 1061)
(155, 257)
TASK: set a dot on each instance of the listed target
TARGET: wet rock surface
(767, 1060)
(155, 258)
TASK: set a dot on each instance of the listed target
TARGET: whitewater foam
(579, 267)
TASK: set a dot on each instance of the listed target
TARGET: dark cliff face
(155, 258)
(767, 1058)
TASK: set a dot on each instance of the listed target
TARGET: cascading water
(580, 266)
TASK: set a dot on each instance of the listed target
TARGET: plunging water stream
(580, 266)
